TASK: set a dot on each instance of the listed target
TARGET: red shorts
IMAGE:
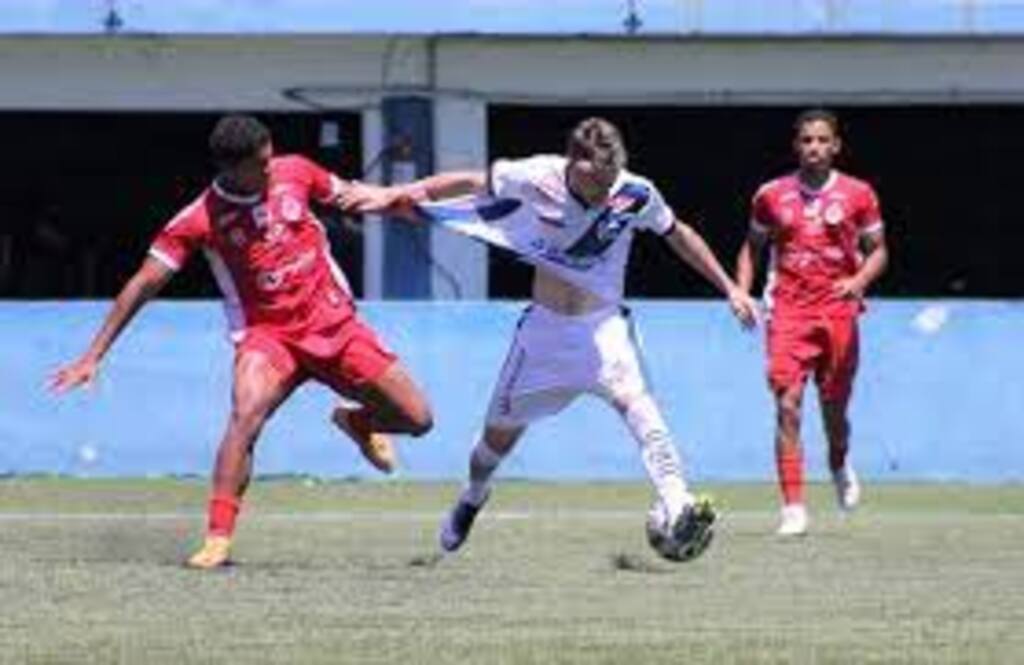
(344, 356)
(825, 345)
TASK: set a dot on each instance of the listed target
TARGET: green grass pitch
(554, 573)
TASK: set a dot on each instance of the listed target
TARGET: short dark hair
(817, 115)
(236, 138)
(598, 141)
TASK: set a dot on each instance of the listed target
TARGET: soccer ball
(685, 539)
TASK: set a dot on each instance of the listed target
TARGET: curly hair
(236, 138)
(817, 115)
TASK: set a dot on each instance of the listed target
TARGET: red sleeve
(760, 212)
(188, 231)
(324, 186)
(869, 219)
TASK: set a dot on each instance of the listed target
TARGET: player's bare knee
(419, 421)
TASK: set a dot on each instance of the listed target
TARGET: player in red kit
(827, 247)
(289, 309)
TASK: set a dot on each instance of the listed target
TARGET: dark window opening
(85, 193)
(943, 174)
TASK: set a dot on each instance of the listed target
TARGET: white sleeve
(506, 177)
(656, 215)
(509, 177)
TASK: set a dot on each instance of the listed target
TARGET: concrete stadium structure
(462, 75)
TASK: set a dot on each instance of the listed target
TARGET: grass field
(345, 573)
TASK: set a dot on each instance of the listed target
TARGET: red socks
(790, 464)
(223, 509)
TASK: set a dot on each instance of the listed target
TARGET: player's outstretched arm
(748, 260)
(446, 185)
(401, 199)
(876, 258)
(691, 248)
(146, 283)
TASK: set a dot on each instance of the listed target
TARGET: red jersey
(815, 238)
(268, 252)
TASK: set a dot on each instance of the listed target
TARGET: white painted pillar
(373, 235)
(460, 142)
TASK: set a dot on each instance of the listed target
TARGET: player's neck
(815, 179)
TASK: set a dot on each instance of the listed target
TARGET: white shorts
(556, 358)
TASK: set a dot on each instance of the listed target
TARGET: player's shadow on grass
(634, 563)
(427, 561)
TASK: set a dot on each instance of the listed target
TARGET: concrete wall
(938, 397)
(209, 73)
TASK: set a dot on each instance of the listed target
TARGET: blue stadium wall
(939, 396)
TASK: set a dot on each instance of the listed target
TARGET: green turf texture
(553, 573)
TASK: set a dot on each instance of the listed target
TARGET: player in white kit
(575, 337)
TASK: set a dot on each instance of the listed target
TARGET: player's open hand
(358, 197)
(848, 288)
(82, 372)
(744, 308)
(400, 201)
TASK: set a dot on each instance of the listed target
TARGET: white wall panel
(208, 73)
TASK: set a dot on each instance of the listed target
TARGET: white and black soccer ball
(664, 536)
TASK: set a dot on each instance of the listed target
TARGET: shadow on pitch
(431, 560)
(633, 563)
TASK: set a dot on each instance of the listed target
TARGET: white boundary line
(416, 516)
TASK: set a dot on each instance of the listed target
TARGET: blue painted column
(408, 128)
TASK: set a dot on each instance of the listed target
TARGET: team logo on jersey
(291, 208)
(271, 280)
(834, 214)
(620, 203)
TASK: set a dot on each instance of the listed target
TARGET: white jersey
(591, 245)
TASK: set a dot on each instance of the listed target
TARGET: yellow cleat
(214, 553)
(375, 447)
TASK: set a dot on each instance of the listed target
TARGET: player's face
(252, 174)
(816, 145)
(589, 181)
